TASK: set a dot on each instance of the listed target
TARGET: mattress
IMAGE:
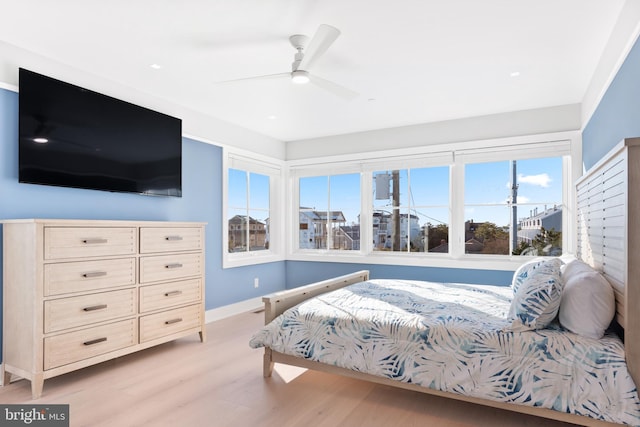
(455, 338)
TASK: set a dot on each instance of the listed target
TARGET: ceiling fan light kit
(300, 77)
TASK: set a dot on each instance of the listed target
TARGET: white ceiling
(411, 61)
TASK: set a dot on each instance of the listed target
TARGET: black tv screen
(75, 137)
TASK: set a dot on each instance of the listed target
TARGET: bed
(480, 343)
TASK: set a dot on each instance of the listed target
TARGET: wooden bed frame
(608, 222)
(277, 303)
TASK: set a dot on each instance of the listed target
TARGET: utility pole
(395, 214)
(514, 206)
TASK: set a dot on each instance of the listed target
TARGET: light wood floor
(219, 383)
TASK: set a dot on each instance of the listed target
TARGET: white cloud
(541, 180)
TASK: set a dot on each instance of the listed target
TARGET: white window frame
(437, 160)
(252, 163)
(530, 150)
(560, 144)
(314, 171)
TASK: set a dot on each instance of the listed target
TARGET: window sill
(249, 258)
(475, 262)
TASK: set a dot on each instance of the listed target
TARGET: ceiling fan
(307, 53)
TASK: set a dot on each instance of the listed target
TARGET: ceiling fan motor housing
(298, 41)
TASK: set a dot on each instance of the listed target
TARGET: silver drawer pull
(95, 307)
(173, 238)
(173, 293)
(96, 341)
(172, 321)
(94, 240)
(94, 274)
(174, 265)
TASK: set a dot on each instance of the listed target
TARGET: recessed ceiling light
(515, 74)
(155, 66)
(40, 140)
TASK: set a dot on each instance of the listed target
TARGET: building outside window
(248, 211)
(329, 212)
(411, 210)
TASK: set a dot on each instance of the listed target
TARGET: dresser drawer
(76, 242)
(169, 322)
(170, 267)
(158, 240)
(75, 346)
(157, 297)
(64, 313)
(63, 278)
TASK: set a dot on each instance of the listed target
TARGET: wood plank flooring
(219, 383)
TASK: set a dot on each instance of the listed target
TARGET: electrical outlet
(256, 283)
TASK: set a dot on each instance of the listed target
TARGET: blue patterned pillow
(523, 272)
(537, 298)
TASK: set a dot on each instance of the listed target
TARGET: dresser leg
(203, 335)
(37, 382)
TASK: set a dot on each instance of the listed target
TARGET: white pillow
(537, 298)
(574, 267)
(588, 304)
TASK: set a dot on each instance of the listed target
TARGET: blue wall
(201, 201)
(618, 115)
(303, 272)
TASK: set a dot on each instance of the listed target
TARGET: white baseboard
(219, 313)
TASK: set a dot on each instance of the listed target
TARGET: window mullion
(329, 225)
(409, 205)
(247, 238)
(456, 227)
(366, 212)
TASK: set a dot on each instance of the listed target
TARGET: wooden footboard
(275, 304)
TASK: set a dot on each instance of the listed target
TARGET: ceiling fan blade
(265, 77)
(322, 39)
(334, 88)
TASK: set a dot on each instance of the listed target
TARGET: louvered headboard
(608, 234)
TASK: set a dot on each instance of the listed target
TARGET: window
(252, 221)
(329, 212)
(514, 207)
(248, 211)
(411, 210)
(455, 205)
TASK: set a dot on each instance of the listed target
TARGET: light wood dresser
(79, 292)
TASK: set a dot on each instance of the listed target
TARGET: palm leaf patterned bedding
(454, 338)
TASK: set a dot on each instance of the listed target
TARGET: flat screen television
(75, 137)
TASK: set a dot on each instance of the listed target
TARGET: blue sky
(239, 183)
(539, 184)
(487, 189)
